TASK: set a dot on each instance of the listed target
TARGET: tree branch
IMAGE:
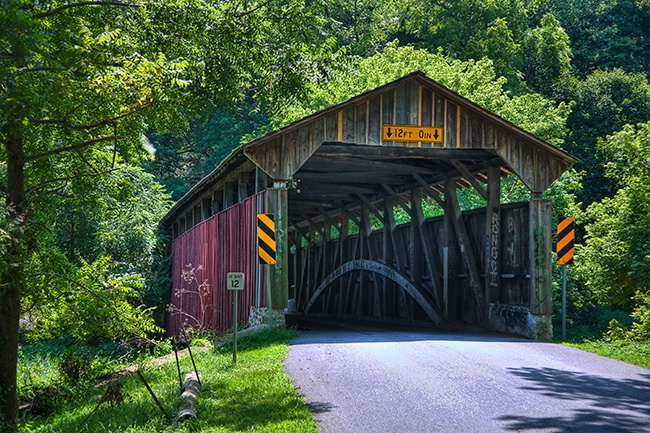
(79, 4)
(71, 148)
(253, 10)
(65, 179)
(104, 122)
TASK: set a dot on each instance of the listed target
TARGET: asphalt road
(411, 381)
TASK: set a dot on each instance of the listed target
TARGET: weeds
(253, 395)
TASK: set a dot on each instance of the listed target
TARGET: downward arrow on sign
(389, 133)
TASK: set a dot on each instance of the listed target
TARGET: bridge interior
(369, 226)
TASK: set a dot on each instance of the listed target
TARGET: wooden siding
(224, 243)
(414, 102)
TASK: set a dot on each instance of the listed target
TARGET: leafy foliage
(80, 83)
(475, 80)
(605, 101)
(185, 157)
(614, 262)
(604, 34)
(88, 302)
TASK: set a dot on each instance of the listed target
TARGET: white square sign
(235, 280)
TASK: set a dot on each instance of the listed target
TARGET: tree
(605, 34)
(604, 102)
(363, 27)
(185, 157)
(81, 82)
(527, 50)
(614, 262)
(475, 80)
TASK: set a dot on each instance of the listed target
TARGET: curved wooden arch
(381, 269)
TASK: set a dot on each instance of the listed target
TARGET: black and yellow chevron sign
(266, 238)
(565, 239)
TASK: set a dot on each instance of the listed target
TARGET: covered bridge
(335, 182)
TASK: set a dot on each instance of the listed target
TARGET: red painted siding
(201, 258)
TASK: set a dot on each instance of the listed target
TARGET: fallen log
(191, 391)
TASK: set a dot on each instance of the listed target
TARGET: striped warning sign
(266, 238)
(565, 239)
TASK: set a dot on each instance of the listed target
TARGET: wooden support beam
(279, 273)
(469, 260)
(370, 206)
(400, 201)
(470, 177)
(428, 248)
(415, 244)
(541, 264)
(302, 233)
(393, 152)
(242, 186)
(433, 182)
(492, 239)
(429, 190)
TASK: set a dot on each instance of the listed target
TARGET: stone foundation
(512, 320)
(543, 328)
(262, 316)
(519, 321)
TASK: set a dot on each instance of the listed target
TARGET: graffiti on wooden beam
(384, 270)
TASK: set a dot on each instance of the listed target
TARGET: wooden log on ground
(191, 391)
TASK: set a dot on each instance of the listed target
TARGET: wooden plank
(426, 107)
(492, 239)
(412, 103)
(374, 122)
(429, 190)
(398, 199)
(425, 241)
(470, 177)
(440, 113)
(361, 115)
(401, 105)
(349, 125)
(541, 292)
(467, 254)
(331, 127)
(277, 204)
(450, 124)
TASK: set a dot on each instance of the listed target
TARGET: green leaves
(91, 301)
(614, 261)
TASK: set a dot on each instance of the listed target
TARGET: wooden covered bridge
(365, 197)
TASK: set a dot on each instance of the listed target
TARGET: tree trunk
(11, 283)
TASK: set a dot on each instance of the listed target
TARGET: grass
(637, 353)
(252, 396)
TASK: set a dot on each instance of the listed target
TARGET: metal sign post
(565, 240)
(235, 283)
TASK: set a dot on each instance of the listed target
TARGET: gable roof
(353, 129)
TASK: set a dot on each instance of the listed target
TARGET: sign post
(565, 240)
(235, 281)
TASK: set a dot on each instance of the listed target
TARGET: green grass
(252, 396)
(637, 353)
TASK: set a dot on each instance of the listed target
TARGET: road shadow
(608, 405)
(317, 407)
(355, 332)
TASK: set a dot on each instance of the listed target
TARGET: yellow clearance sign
(428, 134)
